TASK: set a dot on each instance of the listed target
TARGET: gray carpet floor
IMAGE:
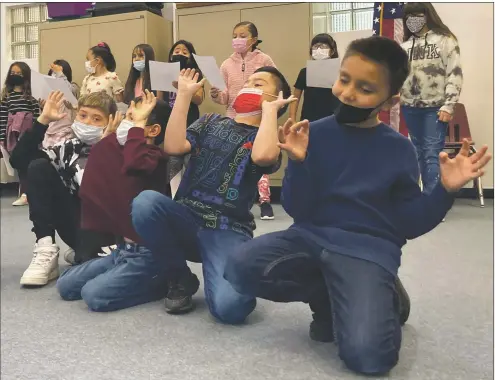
(448, 273)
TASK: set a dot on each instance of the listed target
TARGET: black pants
(52, 208)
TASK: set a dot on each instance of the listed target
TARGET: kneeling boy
(351, 186)
(211, 212)
(121, 166)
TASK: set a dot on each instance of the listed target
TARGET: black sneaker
(321, 329)
(180, 292)
(404, 302)
(266, 211)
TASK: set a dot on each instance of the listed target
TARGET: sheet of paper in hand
(209, 68)
(42, 85)
(322, 73)
(162, 74)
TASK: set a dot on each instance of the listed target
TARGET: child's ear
(391, 102)
(154, 130)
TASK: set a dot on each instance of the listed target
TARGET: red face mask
(248, 102)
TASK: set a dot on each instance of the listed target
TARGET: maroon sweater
(114, 175)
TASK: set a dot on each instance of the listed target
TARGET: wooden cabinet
(70, 40)
(285, 29)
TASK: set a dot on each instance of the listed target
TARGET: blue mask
(139, 65)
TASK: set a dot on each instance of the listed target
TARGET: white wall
(5, 60)
(473, 25)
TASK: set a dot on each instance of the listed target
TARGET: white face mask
(90, 69)
(88, 134)
(123, 130)
(319, 54)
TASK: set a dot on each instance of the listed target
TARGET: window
(342, 17)
(24, 35)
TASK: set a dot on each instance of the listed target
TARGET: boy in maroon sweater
(122, 165)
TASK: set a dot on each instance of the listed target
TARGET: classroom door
(68, 43)
(211, 34)
(122, 36)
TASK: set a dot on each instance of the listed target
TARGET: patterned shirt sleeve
(115, 84)
(194, 131)
(3, 119)
(452, 61)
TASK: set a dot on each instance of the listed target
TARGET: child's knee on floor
(67, 288)
(230, 307)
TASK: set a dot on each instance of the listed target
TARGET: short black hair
(159, 115)
(282, 84)
(387, 53)
(325, 38)
(66, 69)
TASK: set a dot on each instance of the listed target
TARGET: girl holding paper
(318, 102)
(18, 109)
(236, 69)
(139, 75)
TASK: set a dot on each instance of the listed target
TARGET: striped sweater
(236, 71)
(15, 102)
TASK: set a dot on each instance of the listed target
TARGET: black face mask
(15, 80)
(346, 114)
(185, 63)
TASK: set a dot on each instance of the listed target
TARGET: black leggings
(52, 208)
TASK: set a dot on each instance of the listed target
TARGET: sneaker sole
(267, 217)
(40, 281)
(20, 205)
(180, 310)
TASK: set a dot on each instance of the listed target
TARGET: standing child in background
(61, 130)
(433, 86)
(101, 66)
(18, 109)
(236, 69)
(182, 51)
(318, 102)
(139, 75)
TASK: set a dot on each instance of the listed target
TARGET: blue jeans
(286, 266)
(173, 231)
(428, 136)
(129, 276)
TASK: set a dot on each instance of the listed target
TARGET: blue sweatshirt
(357, 192)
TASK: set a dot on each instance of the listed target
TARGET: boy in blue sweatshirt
(351, 186)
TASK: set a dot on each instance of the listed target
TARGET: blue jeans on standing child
(129, 276)
(287, 266)
(174, 232)
(428, 136)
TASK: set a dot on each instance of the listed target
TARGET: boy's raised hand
(188, 82)
(294, 139)
(279, 103)
(140, 115)
(458, 171)
(51, 108)
(113, 124)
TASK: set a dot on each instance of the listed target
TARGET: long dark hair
(433, 20)
(149, 55)
(102, 50)
(66, 69)
(253, 30)
(189, 47)
(26, 86)
(325, 38)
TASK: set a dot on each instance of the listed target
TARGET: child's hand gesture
(456, 172)
(294, 138)
(51, 108)
(279, 103)
(113, 124)
(140, 115)
(188, 82)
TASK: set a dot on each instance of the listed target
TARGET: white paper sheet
(209, 68)
(42, 85)
(162, 74)
(6, 159)
(322, 73)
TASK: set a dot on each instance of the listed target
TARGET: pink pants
(264, 189)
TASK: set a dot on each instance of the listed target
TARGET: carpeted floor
(449, 336)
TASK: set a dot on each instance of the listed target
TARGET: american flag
(387, 22)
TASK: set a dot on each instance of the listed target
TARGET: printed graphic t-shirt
(220, 182)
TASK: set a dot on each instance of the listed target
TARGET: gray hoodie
(435, 79)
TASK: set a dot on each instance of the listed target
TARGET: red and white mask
(248, 102)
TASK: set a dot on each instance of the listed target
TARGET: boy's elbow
(265, 160)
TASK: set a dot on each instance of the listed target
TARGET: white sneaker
(70, 256)
(44, 265)
(21, 201)
(107, 251)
